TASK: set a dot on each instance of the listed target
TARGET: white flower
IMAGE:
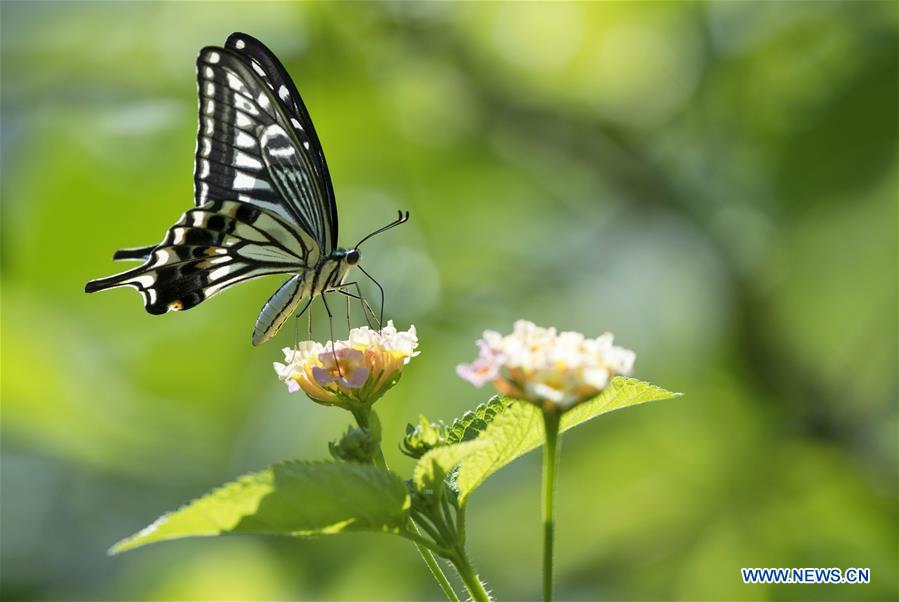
(547, 367)
(356, 371)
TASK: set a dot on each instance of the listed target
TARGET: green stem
(415, 537)
(364, 418)
(438, 573)
(469, 578)
(448, 514)
(441, 510)
(379, 458)
(460, 525)
(425, 524)
(551, 420)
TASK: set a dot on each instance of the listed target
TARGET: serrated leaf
(292, 498)
(516, 430)
(467, 428)
(473, 422)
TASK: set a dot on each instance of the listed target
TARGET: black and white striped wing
(212, 247)
(272, 72)
(249, 147)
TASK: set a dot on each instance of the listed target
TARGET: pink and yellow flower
(350, 373)
(549, 368)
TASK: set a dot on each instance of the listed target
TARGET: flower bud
(422, 438)
(356, 445)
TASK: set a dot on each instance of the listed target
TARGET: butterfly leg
(381, 289)
(296, 332)
(348, 327)
(366, 308)
(331, 329)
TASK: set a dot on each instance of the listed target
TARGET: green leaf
(517, 429)
(467, 428)
(292, 498)
(435, 465)
(624, 392)
(473, 422)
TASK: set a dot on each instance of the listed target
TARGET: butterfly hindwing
(211, 248)
(136, 254)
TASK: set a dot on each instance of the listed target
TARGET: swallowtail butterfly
(263, 200)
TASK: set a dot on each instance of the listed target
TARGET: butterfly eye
(353, 256)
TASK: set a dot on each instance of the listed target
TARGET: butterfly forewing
(274, 75)
(238, 114)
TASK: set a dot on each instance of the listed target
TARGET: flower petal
(479, 372)
(356, 379)
(322, 376)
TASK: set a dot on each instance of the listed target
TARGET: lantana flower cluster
(349, 373)
(552, 369)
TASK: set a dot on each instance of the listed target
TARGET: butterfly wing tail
(102, 284)
(278, 309)
(138, 254)
(164, 286)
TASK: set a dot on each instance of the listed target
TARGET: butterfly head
(348, 257)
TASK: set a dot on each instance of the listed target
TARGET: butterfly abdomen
(280, 306)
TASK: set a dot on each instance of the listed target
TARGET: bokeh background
(715, 183)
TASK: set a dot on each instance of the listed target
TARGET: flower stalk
(469, 577)
(438, 573)
(551, 454)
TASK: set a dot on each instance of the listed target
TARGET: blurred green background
(714, 183)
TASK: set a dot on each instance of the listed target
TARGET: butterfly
(263, 199)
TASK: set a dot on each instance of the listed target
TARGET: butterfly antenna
(402, 218)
